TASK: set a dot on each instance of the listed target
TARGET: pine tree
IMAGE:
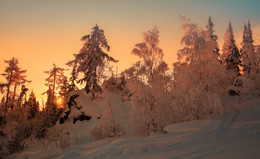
(230, 56)
(9, 75)
(248, 56)
(52, 112)
(90, 59)
(54, 81)
(2, 86)
(211, 38)
(15, 76)
(22, 95)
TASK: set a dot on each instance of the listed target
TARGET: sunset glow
(40, 33)
(129, 79)
(59, 100)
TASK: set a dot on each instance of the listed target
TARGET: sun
(59, 101)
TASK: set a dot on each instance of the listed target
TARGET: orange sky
(40, 33)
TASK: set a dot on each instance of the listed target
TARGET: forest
(158, 96)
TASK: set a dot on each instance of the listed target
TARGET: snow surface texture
(235, 135)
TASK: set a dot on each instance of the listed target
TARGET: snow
(234, 135)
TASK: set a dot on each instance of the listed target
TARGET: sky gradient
(40, 33)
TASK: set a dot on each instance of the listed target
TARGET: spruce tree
(90, 59)
(230, 56)
(212, 38)
(248, 56)
(74, 75)
(33, 105)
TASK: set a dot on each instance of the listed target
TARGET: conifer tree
(64, 88)
(54, 81)
(73, 78)
(2, 86)
(33, 105)
(90, 58)
(230, 56)
(15, 76)
(56, 75)
(248, 56)
(22, 95)
(211, 38)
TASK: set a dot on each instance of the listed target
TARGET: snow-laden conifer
(212, 38)
(230, 54)
(248, 55)
(90, 59)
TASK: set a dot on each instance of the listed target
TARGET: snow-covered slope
(235, 135)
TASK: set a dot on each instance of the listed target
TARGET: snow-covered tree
(195, 43)
(148, 81)
(151, 109)
(230, 54)
(33, 105)
(149, 51)
(16, 128)
(90, 59)
(258, 56)
(108, 127)
(248, 56)
(199, 79)
(212, 38)
(73, 78)
(8, 137)
(198, 89)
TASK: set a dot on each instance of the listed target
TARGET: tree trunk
(25, 99)
(54, 83)
(8, 91)
(15, 86)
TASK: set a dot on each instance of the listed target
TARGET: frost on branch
(199, 79)
(149, 51)
(91, 59)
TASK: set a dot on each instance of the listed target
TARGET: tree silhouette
(15, 76)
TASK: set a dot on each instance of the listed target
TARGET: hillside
(234, 135)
